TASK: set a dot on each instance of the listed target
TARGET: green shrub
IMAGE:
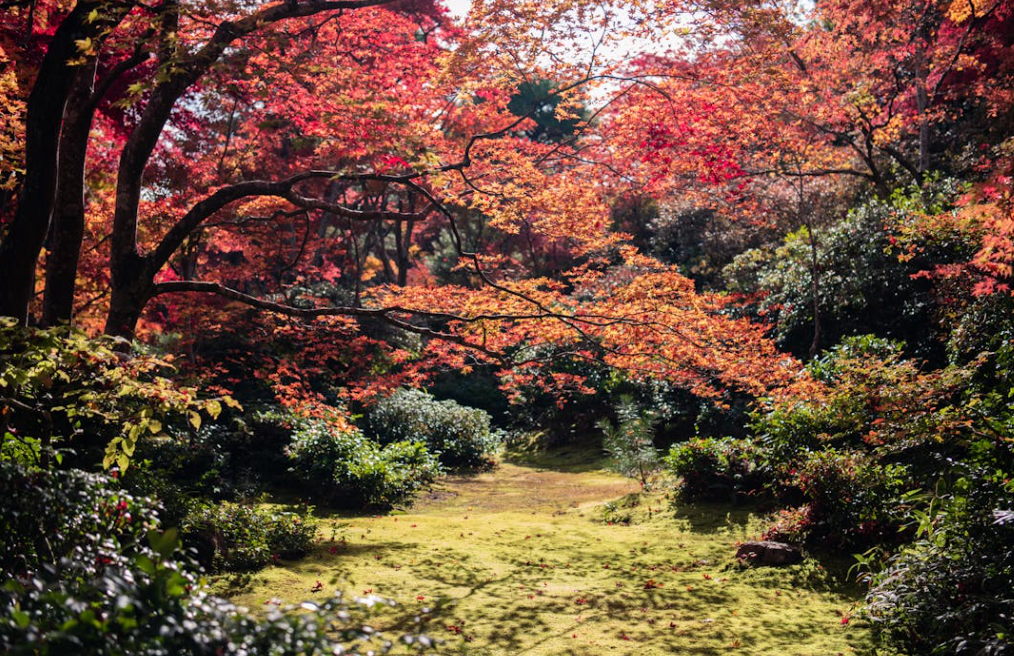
(459, 436)
(237, 537)
(112, 592)
(716, 469)
(180, 473)
(952, 591)
(59, 384)
(50, 516)
(875, 402)
(851, 501)
(346, 468)
(862, 282)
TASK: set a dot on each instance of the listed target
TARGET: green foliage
(59, 383)
(863, 285)
(179, 473)
(238, 537)
(51, 516)
(631, 444)
(876, 402)
(851, 501)
(952, 591)
(116, 593)
(480, 389)
(346, 468)
(538, 101)
(459, 436)
(716, 469)
(836, 363)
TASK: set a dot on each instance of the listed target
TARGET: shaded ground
(523, 561)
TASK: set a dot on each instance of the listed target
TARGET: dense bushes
(850, 501)
(846, 498)
(52, 516)
(91, 575)
(952, 591)
(344, 467)
(715, 469)
(459, 436)
(236, 537)
(862, 283)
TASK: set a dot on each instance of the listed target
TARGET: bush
(952, 591)
(113, 593)
(60, 384)
(459, 436)
(179, 472)
(237, 537)
(348, 469)
(51, 516)
(716, 469)
(876, 402)
(851, 501)
(862, 282)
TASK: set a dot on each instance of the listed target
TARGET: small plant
(346, 468)
(237, 537)
(630, 445)
(460, 436)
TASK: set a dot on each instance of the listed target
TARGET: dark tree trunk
(815, 291)
(19, 251)
(922, 106)
(69, 213)
(130, 294)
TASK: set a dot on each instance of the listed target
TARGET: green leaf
(21, 618)
(195, 420)
(163, 543)
(145, 564)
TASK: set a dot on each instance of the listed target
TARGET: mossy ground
(522, 560)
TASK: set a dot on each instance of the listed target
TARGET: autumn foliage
(366, 169)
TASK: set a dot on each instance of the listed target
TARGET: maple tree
(278, 154)
(289, 156)
(306, 205)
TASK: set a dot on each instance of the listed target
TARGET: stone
(768, 553)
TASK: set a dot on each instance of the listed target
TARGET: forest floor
(523, 560)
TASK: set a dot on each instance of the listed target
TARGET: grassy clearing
(523, 561)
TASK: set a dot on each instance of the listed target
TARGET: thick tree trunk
(129, 297)
(19, 251)
(69, 213)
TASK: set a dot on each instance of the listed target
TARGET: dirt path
(523, 561)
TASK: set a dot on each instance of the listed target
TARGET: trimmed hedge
(460, 436)
(345, 468)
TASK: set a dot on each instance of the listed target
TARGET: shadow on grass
(712, 517)
(571, 460)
